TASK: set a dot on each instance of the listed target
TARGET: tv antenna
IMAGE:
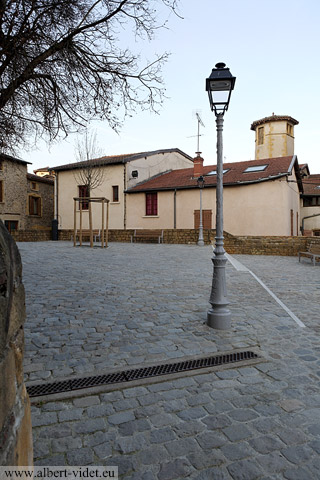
(200, 122)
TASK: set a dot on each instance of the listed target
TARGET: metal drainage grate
(137, 374)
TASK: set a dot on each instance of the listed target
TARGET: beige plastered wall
(257, 209)
(68, 189)
(277, 143)
(120, 175)
(148, 167)
(310, 223)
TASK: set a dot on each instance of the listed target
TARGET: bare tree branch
(90, 172)
(61, 65)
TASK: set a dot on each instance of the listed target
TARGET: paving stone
(237, 432)
(297, 454)
(216, 473)
(103, 450)
(192, 413)
(65, 444)
(122, 417)
(71, 414)
(237, 451)
(214, 422)
(41, 448)
(86, 401)
(101, 410)
(245, 470)
(177, 469)
(161, 420)
(297, 474)
(47, 418)
(128, 428)
(89, 426)
(266, 444)
(209, 440)
(273, 463)
(243, 415)
(156, 454)
(162, 435)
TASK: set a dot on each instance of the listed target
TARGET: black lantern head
(200, 182)
(219, 87)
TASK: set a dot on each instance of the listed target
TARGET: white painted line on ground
(242, 268)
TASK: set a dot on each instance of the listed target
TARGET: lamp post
(200, 182)
(219, 87)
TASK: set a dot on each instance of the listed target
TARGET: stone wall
(44, 190)
(15, 417)
(234, 245)
(35, 235)
(14, 177)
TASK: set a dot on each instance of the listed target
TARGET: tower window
(290, 129)
(260, 135)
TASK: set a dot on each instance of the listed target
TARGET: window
(34, 186)
(311, 201)
(290, 129)
(11, 225)
(260, 135)
(34, 205)
(152, 203)
(1, 191)
(115, 193)
(84, 193)
(255, 168)
(214, 172)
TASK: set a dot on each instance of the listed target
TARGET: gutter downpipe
(304, 218)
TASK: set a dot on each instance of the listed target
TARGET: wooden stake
(107, 223)
(90, 225)
(80, 235)
(102, 226)
(74, 222)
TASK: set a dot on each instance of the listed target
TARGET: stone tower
(274, 136)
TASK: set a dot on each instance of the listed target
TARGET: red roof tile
(179, 179)
(311, 185)
(116, 159)
(273, 118)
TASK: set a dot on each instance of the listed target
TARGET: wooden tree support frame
(104, 216)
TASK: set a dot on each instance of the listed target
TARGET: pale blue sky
(273, 50)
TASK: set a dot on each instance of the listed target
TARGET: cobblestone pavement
(89, 310)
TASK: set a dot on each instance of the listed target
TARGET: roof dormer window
(214, 172)
(255, 168)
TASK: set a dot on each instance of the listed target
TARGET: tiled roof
(236, 175)
(116, 159)
(273, 118)
(37, 178)
(4, 156)
(311, 185)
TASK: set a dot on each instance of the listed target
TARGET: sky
(272, 48)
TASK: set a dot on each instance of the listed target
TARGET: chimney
(197, 166)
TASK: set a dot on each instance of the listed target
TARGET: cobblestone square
(92, 310)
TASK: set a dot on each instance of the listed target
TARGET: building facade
(261, 198)
(26, 201)
(119, 173)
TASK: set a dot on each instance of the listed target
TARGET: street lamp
(200, 182)
(219, 87)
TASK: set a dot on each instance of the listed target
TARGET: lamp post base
(219, 318)
(201, 243)
(219, 315)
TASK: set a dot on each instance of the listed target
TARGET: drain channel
(137, 374)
